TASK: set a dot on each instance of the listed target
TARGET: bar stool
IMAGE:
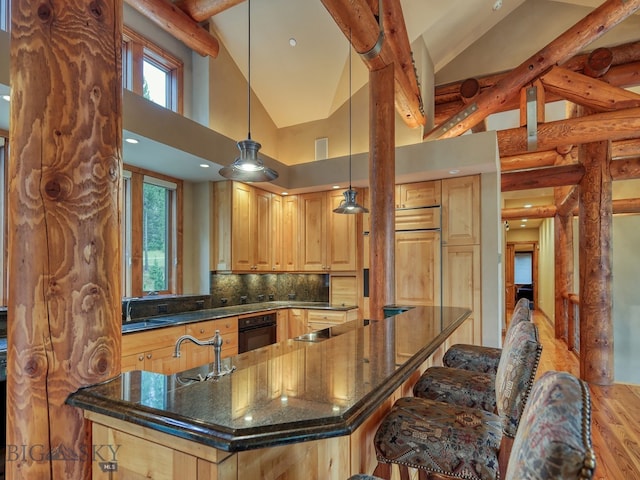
(440, 440)
(362, 476)
(484, 359)
(450, 437)
(517, 369)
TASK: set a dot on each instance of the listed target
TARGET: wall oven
(256, 332)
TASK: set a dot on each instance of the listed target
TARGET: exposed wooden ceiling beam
(594, 25)
(618, 125)
(545, 177)
(587, 91)
(201, 10)
(173, 20)
(359, 25)
(620, 205)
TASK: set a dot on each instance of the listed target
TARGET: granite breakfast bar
(295, 409)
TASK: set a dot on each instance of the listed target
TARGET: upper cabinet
(251, 246)
(461, 211)
(419, 194)
(327, 239)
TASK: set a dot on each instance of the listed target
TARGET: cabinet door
(461, 211)
(282, 330)
(277, 227)
(419, 194)
(461, 282)
(418, 268)
(312, 232)
(290, 238)
(261, 236)
(242, 239)
(341, 236)
(161, 360)
(135, 361)
(297, 322)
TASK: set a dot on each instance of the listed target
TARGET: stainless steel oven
(256, 332)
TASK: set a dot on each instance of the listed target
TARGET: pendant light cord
(350, 47)
(249, 72)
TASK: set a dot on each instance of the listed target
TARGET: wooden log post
(563, 232)
(64, 179)
(382, 190)
(595, 217)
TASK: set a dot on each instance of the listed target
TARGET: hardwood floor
(615, 426)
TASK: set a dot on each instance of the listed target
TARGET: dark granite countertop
(288, 392)
(138, 325)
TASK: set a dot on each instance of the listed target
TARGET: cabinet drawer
(207, 329)
(418, 218)
(158, 338)
(325, 316)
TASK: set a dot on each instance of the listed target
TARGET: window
(5, 16)
(523, 262)
(151, 72)
(150, 235)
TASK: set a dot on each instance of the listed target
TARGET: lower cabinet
(197, 355)
(297, 324)
(319, 319)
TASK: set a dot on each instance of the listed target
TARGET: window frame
(132, 234)
(135, 50)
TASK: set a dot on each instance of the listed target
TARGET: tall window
(151, 72)
(150, 236)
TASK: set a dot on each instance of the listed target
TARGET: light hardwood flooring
(615, 427)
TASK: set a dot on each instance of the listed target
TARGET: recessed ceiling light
(285, 193)
(204, 165)
(524, 220)
(293, 42)
(528, 205)
(336, 187)
(454, 171)
(131, 140)
(497, 5)
(522, 225)
(6, 97)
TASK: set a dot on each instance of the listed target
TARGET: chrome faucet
(216, 342)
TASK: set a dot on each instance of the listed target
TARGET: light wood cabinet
(418, 194)
(152, 351)
(289, 243)
(418, 218)
(417, 265)
(461, 282)
(461, 211)
(297, 322)
(319, 319)
(327, 240)
(197, 355)
(277, 229)
(251, 229)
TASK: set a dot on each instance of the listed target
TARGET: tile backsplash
(266, 287)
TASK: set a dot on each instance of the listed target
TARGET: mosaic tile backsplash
(254, 287)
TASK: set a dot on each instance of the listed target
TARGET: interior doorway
(521, 273)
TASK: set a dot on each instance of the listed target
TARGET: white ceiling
(299, 84)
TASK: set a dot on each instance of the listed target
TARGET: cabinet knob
(227, 325)
(148, 355)
(202, 330)
(227, 342)
(141, 358)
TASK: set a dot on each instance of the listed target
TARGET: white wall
(546, 269)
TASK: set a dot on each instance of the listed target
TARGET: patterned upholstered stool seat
(484, 359)
(439, 437)
(361, 476)
(441, 440)
(451, 437)
(512, 382)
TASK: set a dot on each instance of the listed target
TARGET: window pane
(155, 84)
(155, 238)
(523, 268)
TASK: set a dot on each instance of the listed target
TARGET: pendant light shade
(349, 204)
(248, 167)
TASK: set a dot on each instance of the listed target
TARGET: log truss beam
(177, 23)
(201, 10)
(360, 26)
(594, 25)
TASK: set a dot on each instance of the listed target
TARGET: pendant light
(248, 167)
(349, 204)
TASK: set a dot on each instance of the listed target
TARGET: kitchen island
(295, 409)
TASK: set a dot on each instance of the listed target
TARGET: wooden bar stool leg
(404, 472)
(383, 470)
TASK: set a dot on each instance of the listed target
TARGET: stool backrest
(554, 438)
(516, 373)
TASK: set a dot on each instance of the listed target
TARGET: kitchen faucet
(216, 342)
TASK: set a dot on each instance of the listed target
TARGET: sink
(144, 324)
(315, 337)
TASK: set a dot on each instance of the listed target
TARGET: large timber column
(382, 187)
(595, 215)
(63, 227)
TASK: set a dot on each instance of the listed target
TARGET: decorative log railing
(571, 314)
